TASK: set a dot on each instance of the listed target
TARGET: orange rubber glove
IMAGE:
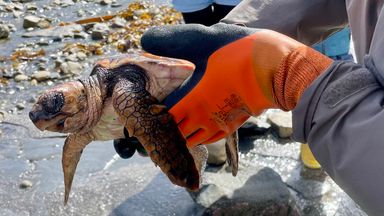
(239, 73)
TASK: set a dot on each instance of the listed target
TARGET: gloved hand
(239, 72)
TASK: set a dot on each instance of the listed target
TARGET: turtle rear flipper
(150, 122)
(232, 150)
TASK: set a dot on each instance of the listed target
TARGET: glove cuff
(296, 72)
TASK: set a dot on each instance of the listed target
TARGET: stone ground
(271, 180)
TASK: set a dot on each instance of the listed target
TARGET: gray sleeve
(307, 21)
(341, 116)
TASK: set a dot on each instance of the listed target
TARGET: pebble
(116, 4)
(31, 7)
(4, 31)
(21, 77)
(281, 123)
(80, 35)
(33, 82)
(64, 3)
(71, 68)
(81, 56)
(42, 75)
(31, 21)
(42, 66)
(12, 27)
(44, 24)
(58, 62)
(25, 184)
(17, 14)
(80, 13)
(20, 106)
(118, 22)
(42, 42)
(105, 2)
(71, 57)
(99, 31)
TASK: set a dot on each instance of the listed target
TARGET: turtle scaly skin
(143, 115)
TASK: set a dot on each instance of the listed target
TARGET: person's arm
(308, 21)
(341, 116)
(338, 106)
(239, 72)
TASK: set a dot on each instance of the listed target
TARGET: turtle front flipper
(153, 126)
(73, 147)
(232, 150)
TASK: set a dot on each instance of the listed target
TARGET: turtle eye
(53, 102)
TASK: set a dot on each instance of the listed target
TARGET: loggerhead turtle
(124, 92)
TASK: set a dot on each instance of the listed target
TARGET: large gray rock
(260, 192)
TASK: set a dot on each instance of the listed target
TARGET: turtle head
(60, 109)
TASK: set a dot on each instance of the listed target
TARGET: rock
(4, 31)
(116, 4)
(99, 31)
(20, 106)
(118, 22)
(80, 35)
(64, 3)
(105, 2)
(44, 24)
(71, 68)
(31, 21)
(31, 6)
(208, 195)
(33, 82)
(81, 56)
(12, 27)
(42, 66)
(216, 153)
(21, 77)
(81, 13)
(71, 57)
(281, 123)
(41, 76)
(17, 14)
(25, 184)
(56, 32)
(260, 192)
(58, 63)
(42, 43)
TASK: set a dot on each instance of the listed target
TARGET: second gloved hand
(239, 73)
